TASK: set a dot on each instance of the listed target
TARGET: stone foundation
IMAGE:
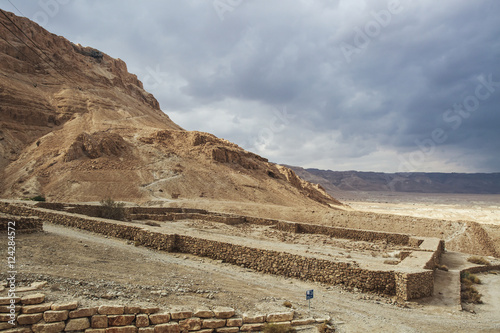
(403, 282)
(32, 313)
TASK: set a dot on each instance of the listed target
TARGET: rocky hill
(419, 182)
(76, 126)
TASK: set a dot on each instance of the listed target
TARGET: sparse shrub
(479, 260)
(442, 267)
(469, 278)
(273, 328)
(325, 328)
(471, 295)
(38, 198)
(469, 292)
(111, 209)
(288, 304)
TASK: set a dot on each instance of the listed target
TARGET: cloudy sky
(393, 86)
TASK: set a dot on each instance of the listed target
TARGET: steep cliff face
(76, 126)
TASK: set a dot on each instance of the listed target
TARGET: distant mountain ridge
(419, 182)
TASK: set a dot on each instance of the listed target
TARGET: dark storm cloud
(368, 85)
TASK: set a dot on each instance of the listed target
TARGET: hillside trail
(84, 258)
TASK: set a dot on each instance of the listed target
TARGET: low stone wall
(23, 225)
(32, 313)
(290, 265)
(414, 285)
(481, 269)
(406, 286)
(437, 247)
(176, 214)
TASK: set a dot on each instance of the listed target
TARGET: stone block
(321, 320)
(7, 308)
(29, 319)
(252, 327)
(95, 330)
(19, 330)
(37, 308)
(254, 318)
(53, 316)
(233, 322)
(5, 317)
(228, 330)
(110, 310)
(180, 314)
(131, 310)
(213, 323)
(83, 312)
(123, 329)
(120, 320)
(159, 318)
(7, 300)
(301, 322)
(277, 317)
(282, 324)
(203, 313)
(223, 312)
(64, 306)
(206, 330)
(167, 328)
(32, 299)
(6, 326)
(78, 324)
(190, 324)
(150, 310)
(99, 321)
(147, 330)
(142, 320)
(49, 327)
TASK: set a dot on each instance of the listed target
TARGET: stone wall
(414, 285)
(403, 285)
(32, 313)
(176, 214)
(22, 225)
(290, 265)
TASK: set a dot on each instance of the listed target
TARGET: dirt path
(89, 267)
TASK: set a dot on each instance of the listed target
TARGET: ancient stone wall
(20, 225)
(403, 285)
(33, 313)
(414, 285)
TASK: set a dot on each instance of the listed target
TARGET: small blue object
(309, 294)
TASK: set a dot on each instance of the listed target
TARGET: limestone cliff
(76, 126)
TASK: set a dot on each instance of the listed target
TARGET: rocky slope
(76, 126)
(418, 182)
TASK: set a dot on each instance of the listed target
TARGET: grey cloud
(229, 76)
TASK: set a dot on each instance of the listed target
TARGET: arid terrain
(94, 269)
(77, 127)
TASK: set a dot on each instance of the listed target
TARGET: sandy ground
(94, 270)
